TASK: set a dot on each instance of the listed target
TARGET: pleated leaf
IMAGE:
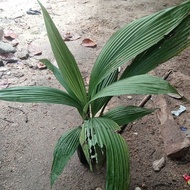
(172, 44)
(135, 38)
(58, 76)
(123, 115)
(65, 59)
(56, 73)
(117, 154)
(39, 94)
(101, 102)
(64, 149)
(140, 84)
(93, 147)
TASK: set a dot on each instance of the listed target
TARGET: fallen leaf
(10, 35)
(34, 50)
(67, 36)
(41, 66)
(176, 96)
(87, 42)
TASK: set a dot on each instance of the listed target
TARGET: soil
(29, 132)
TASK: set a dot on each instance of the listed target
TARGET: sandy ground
(29, 132)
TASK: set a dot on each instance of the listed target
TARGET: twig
(145, 100)
(4, 119)
(26, 116)
(148, 97)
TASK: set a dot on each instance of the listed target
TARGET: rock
(23, 54)
(1, 64)
(32, 63)
(175, 141)
(187, 133)
(2, 69)
(6, 48)
(8, 57)
(158, 164)
(14, 43)
(34, 50)
(129, 97)
(144, 186)
(98, 188)
(1, 34)
(18, 75)
(137, 188)
(8, 73)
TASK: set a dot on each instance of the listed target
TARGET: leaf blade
(65, 59)
(56, 73)
(172, 44)
(117, 176)
(123, 115)
(102, 102)
(65, 148)
(140, 84)
(135, 38)
(38, 94)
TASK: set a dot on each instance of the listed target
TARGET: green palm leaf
(38, 94)
(65, 148)
(172, 44)
(65, 59)
(102, 102)
(135, 38)
(58, 76)
(123, 115)
(103, 135)
(56, 73)
(140, 84)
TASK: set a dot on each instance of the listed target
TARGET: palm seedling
(151, 41)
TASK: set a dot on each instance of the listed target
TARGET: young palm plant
(151, 41)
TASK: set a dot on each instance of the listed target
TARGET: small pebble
(129, 97)
(158, 164)
(187, 133)
(8, 73)
(1, 64)
(137, 188)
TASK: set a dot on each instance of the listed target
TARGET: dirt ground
(29, 132)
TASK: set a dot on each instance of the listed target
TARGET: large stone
(6, 48)
(176, 143)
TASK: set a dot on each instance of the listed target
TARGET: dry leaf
(176, 96)
(10, 35)
(87, 42)
(41, 66)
